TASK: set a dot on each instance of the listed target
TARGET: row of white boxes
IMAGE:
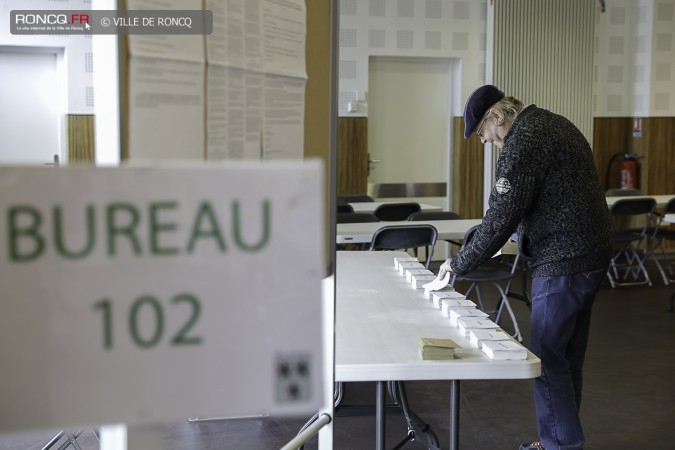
(462, 313)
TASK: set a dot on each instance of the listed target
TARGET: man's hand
(445, 268)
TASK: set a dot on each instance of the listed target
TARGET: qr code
(293, 375)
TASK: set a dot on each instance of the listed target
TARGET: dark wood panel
(81, 148)
(467, 173)
(660, 156)
(352, 170)
(611, 136)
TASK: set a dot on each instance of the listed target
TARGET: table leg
(380, 397)
(454, 415)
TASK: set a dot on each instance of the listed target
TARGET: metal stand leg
(454, 415)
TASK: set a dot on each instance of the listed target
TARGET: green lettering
(157, 227)
(128, 228)
(237, 227)
(211, 231)
(59, 238)
(28, 233)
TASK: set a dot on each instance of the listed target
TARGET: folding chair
(436, 215)
(396, 237)
(657, 236)
(627, 266)
(396, 211)
(491, 275)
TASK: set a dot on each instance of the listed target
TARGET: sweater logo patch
(503, 186)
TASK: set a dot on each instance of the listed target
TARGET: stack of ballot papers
(437, 283)
(399, 259)
(419, 280)
(469, 324)
(478, 336)
(458, 314)
(438, 296)
(455, 303)
(434, 348)
(430, 294)
(410, 272)
(402, 267)
(504, 350)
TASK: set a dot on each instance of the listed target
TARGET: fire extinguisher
(629, 171)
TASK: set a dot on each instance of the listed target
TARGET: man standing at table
(548, 190)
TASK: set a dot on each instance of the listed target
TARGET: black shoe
(531, 446)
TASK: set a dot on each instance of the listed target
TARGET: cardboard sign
(143, 295)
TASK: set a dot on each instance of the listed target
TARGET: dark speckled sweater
(548, 189)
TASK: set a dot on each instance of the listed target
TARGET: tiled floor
(629, 395)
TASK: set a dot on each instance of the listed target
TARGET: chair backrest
(670, 207)
(469, 235)
(396, 211)
(356, 217)
(354, 198)
(434, 215)
(396, 237)
(632, 207)
(345, 208)
(622, 192)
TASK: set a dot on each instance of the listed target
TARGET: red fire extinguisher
(629, 171)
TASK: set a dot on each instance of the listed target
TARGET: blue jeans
(561, 318)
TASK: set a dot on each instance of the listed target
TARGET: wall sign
(142, 295)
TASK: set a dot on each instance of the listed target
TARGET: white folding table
(359, 233)
(379, 321)
(371, 206)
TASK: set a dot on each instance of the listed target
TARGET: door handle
(371, 162)
(55, 163)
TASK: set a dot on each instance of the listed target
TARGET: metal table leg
(454, 415)
(380, 415)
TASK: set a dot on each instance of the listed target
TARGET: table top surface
(380, 319)
(363, 232)
(370, 206)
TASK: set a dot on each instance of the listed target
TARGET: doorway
(409, 120)
(31, 119)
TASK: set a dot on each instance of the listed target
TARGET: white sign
(142, 295)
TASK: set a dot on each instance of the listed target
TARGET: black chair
(492, 274)
(354, 198)
(396, 211)
(344, 208)
(422, 216)
(657, 236)
(628, 240)
(396, 237)
(356, 217)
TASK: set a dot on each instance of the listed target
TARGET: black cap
(478, 103)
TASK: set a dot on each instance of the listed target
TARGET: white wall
(78, 56)
(634, 49)
(421, 28)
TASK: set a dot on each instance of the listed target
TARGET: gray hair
(509, 107)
